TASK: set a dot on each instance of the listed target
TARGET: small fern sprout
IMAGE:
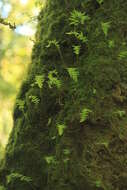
(53, 79)
(74, 73)
(100, 1)
(123, 54)
(84, 114)
(57, 45)
(76, 49)
(39, 79)
(120, 113)
(105, 27)
(17, 176)
(34, 99)
(61, 128)
(77, 17)
(50, 159)
(53, 43)
(78, 35)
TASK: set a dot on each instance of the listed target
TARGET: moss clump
(89, 153)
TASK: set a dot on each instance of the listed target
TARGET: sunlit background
(15, 52)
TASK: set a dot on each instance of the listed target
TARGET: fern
(111, 44)
(15, 176)
(61, 128)
(39, 79)
(76, 49)
(66, 152)
(20, 104)
(2, 188)
(56, 44)
(50, 159)
(105, 27)
(53, 80)
(81, 37)
(123, 54)
(49, 121)
(74, 73)
(100, 1)
(78, 35)
(84, 114)
(34, 99)
(120, 113)
(53, 43)
(78, 17)
(98, 183)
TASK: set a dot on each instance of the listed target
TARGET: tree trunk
(70, 115)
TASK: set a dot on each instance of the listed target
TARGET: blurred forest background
(15, 52)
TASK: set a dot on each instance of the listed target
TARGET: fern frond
(39, 79)
(61, 128)
(74, 73)
(53, 79)
(84, 114)
(105, 27)
(34, 99)
(76, 49)
(78, 17)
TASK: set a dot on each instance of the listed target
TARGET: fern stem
(61, 56)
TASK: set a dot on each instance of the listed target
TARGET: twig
(6, 23)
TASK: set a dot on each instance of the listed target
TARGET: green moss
(97, 156)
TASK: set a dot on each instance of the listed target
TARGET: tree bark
(85, 154)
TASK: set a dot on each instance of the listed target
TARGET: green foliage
(104, 143)
(100, 1)
(39, 79)
(16, 176)
(78, 17)
(61, 128)
(50, 159)
(123, 54)
(74, 73)
(66, 151)
(2, 188)
(120, 113)
(34, 99)
(98, 77)
(76, 49)
(20, 104)
(56, 44)
(53, 43)
(94, 91)
(105, 27)
(111, 44)
(78, 35)
(98, 183)
(49, 121)
(84, 114)
(53, 79)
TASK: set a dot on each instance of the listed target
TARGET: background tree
(70, 115)
(15, 50)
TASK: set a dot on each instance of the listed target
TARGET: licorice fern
(78, 17)
(39, 79)
(53, 79)
(74, 73)
(84, 114)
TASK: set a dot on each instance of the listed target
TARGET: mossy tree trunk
(70, 125)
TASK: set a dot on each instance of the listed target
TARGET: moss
(89, 155)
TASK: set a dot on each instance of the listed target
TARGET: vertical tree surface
(70, 125)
